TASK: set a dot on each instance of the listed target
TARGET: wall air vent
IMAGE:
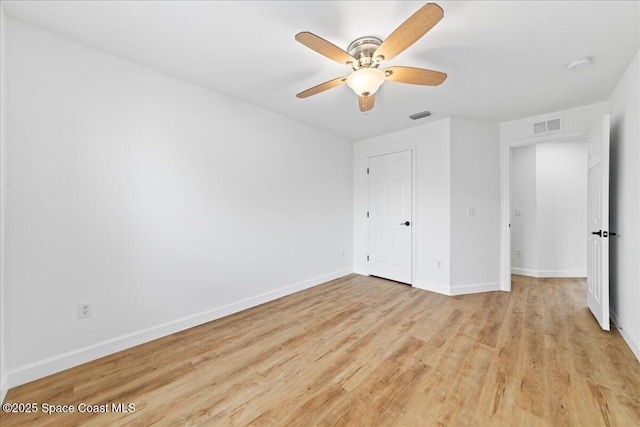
(539, 127)
(547, 126)
(420, 115)
(553, 125)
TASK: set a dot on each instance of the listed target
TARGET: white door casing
(390, 222)
(598, 222)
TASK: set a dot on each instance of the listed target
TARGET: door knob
(598, 233)
(407, 223)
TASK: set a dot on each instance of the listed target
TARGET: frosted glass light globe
(365, 81)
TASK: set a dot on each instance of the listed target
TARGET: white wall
(164, 204)
(456, 162)
(433, 207)
(524, 228)
(561, 181)
(3, 202)
(625, 205)
(430, 146)
(475, 183)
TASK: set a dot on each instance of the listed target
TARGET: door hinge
(367, 214)
(367, 257)
(367, 171)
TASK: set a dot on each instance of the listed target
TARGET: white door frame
(506, 149)
(396, 148)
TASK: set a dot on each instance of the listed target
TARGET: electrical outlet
(85, 310)
(471, 212)
(439, 264)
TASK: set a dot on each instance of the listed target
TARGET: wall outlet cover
(85, 309)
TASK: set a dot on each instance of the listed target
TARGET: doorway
(549, 209)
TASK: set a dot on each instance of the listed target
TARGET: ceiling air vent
(546, 126)
(420, 115)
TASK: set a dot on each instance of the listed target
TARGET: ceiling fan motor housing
(362, 49)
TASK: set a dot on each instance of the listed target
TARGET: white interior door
(390, 216)
(598, 222)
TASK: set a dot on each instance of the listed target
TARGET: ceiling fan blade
(415, 76)
(410, 31)
(325, 48)
(366, 102)
(322, 87)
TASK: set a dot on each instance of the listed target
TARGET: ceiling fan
(365, 54)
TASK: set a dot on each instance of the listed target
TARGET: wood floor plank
(363, 351)
(532, 380)
(501, 377)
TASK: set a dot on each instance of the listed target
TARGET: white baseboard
(77, 357)
(633, 345)
(524, 272)
(4, 388)
(362, 272)
(548, 273)
(457, 289)
(475, 288)
(432, 287)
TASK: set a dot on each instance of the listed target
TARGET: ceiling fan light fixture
(365, 81)
(365, 54)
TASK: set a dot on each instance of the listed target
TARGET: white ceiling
(505, 59)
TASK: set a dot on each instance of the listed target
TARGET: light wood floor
(365, 351)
